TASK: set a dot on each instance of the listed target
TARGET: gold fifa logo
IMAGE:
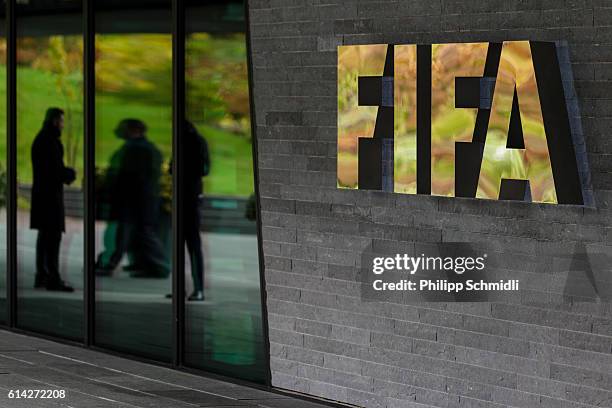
(480, 120)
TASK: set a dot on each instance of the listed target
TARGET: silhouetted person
(47, 207)
(108, 210)
(195, 165)
(133, 188)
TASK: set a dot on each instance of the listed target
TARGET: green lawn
(231, 158)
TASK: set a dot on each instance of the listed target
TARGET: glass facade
(3, 175)
(50, 170)
(94, 234)
(223, 320)
(133, 104)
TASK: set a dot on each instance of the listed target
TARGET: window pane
(3, 179)
(133, 181)
(223, 310)
(50, 169)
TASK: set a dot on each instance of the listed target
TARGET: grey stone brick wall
(529, 352)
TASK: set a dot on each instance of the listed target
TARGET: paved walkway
(227, 328)
(94, 379)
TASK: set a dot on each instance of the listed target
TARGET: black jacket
(133, 183)
(196, 164)
(50, 175)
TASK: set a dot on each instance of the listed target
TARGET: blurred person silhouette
(47, 205)
(195, 165)
(109, 259)
(132, 186)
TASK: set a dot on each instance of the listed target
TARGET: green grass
(231, 157)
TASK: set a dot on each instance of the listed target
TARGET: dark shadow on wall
(589, 277)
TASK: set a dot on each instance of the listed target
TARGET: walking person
(133, 184)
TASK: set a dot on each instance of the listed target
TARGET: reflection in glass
(355, 121)
(223, 309)
(532, 163)
(49, 175)
(3, 179)
(449, 124)
(405, 121)
(133, 182)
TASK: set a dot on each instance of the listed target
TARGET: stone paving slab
(93, 379)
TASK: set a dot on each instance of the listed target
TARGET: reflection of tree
(448, 124)
(134, 79)
(68, 82)
(136, 66)
(140, 66)
(354, 121)
(217, 81)
(62, 57)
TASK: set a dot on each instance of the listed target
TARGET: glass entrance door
(133, 143)
(97, 174)
(50, 168)
(223, 315)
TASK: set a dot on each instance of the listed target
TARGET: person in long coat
(47, 204)
(133, 190)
